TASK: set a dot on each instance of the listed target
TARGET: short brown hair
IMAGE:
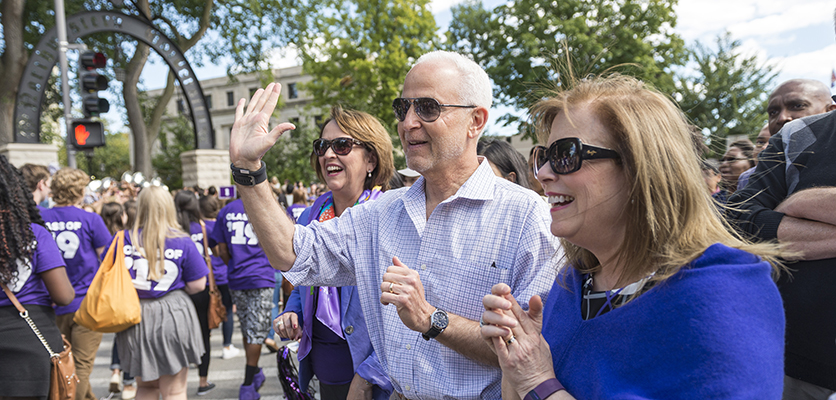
(367, 129)
(33, 174)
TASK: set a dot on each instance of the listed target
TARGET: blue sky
(799, 40)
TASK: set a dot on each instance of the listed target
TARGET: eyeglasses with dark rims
(566, 155)
(427, 108)
(341, 146)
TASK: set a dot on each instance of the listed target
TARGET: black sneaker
(205, 389)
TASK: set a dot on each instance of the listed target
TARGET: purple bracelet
(545, 389)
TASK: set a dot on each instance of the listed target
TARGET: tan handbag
(111, 303)
(217, 310)
(62, 377)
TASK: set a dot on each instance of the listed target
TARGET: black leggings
(201, 305)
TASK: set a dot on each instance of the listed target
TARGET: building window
(208, 100)
(292, 93)
(252, 91)
(181, 106)
(230, 99)
(295, 121)
(318, 121)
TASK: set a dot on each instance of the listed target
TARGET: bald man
(791, 197)
(797, 98)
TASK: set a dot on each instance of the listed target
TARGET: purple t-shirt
(78, 234)
(295, 210)
(29, 288)
(248, 265)
(182, 264)
(218, 266)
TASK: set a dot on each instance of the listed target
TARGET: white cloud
(788, 19)
(816, 65)
(285, 57)
(748, 18)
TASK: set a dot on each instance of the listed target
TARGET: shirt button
(409, 347)
(406, 387)
(424, 266)
(349, 329)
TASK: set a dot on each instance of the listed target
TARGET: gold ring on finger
(392, 287)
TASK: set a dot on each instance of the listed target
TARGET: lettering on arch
(29, 101)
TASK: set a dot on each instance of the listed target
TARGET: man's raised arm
(249, 140)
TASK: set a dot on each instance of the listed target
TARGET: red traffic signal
(87, 134)
(92, 60)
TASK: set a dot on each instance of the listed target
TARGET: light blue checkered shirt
(490, 231)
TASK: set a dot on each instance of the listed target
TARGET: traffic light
(87, 134)
(91, 82)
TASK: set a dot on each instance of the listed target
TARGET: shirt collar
(479, 186)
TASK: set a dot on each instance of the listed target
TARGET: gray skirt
(167, 340)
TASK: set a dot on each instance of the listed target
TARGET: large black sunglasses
(427, 108)
(342, 146)
(566, 155)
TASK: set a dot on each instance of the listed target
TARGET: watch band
(246, 177)
(545, 389)
(434, 330)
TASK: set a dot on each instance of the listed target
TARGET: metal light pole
(61, 24)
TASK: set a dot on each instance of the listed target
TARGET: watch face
(439, 319)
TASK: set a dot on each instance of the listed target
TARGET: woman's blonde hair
(367, 129)
(671, 219)
(157, 218)
(68, 186)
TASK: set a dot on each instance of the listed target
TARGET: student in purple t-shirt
(165, 266)
(251, 281)
(209, 207)
(32, 268)
(299, 204)
(81, 237)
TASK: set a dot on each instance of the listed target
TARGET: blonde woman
(165, 266)
(658, 300)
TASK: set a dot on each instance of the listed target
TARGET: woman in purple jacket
(353, 155)
(31, 267)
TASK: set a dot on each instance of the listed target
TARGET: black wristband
(246, 177)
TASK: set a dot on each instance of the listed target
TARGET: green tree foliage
(726, 92)
(521, 42)
(358, 52)
(111, 160)
(177, 136)
(289, 158)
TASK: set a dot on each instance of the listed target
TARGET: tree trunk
(12, 65)
(145, 133)
(142, 143)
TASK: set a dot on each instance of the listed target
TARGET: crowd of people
(616, 262)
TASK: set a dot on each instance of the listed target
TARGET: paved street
(228, 375)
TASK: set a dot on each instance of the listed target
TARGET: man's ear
(831, 107)
(479, 118)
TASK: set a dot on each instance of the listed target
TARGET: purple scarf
(328, 303)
